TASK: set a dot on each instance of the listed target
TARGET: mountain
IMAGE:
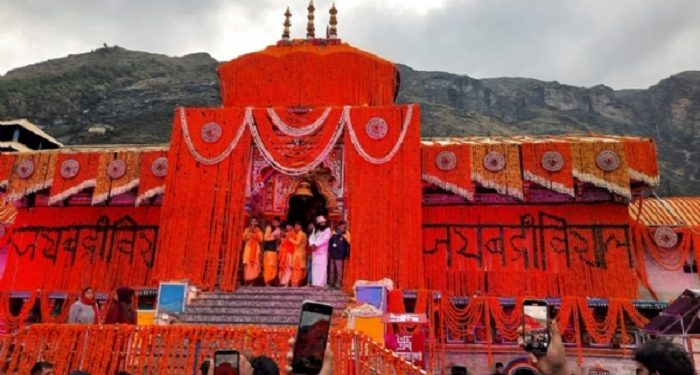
(133, 94)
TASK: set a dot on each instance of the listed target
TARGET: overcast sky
(620, 43)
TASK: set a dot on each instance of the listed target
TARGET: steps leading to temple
(259, 305)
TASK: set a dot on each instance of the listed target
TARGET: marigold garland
(585, 169)
(203, 207)
(509, 180)
(150, 185)
(62, 187)
(171, 349)
(640, 154)
(7, 163)
(382, 224)
(458, 179)
(40, 179)
(561, 181)
(308, 75)
(106, 186)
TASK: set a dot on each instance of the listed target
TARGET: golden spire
(333, 33)
(287, 24)
(310, 29)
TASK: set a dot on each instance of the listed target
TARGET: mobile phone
(312, 337)
(458, 370)
(536, 326)
(226, 362)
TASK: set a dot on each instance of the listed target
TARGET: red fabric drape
(384, 200)
(69, 248)
(203, 207)
(543, 251)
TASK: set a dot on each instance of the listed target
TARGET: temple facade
(465, 227)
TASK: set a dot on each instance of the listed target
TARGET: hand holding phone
(536, 334)
(226, 362)
(312, 338)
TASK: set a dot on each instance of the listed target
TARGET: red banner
(543, 251)
(74, 247)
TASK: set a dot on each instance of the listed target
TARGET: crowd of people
(285, 254)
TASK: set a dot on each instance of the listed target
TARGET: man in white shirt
(319, 240)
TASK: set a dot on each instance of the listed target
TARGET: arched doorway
(306, 208)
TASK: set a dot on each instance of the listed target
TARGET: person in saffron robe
(319, 257)
(299, 258)
(252, 236)
(286, 254)
(271, 241)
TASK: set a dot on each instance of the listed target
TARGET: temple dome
(303, 73)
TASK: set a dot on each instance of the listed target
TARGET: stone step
(257, 303)
(271, 297)
(218, 310)
(244, 319)
(281, 290)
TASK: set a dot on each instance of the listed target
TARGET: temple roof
(674, 211)
(20, 144)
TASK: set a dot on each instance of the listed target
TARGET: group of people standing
(281, 253)
(86, 310)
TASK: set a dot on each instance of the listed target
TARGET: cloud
(624, 44)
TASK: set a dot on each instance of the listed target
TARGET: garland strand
(361, 151)
(247, 120)
(295, 131)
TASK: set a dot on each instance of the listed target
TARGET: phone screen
(312, 336)
(535, 326)
(226, 362)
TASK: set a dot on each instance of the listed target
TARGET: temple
(464, 227)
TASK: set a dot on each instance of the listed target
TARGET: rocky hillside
(132, 94)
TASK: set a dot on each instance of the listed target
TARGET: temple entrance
(306, 203)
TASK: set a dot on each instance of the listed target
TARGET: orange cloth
(269, 266)
(299, 258)
(285, 258)
(251, 253)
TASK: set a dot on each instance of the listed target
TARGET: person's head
(499, 368)
(125, 294)
(288, 226)
(658, 357)
(276, 222)
(253, 221)
(297, 226)
(88, 294)
(321, 221)
(42, 368)
(204, 367)
(342, 226)
(263, 365)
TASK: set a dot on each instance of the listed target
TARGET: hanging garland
(290, 159)
(247, 120)
(361, 150)
(294, 131)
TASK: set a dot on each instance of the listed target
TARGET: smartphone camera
(312, 337)
(536, 326)
(226, 362)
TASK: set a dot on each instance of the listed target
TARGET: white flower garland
(298, 132)
(369, 158)
(308, 167)
(247, 119)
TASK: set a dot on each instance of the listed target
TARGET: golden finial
(333, 33)
(287, 24)
(310, 29)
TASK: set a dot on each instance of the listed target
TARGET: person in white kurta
(319, 256)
